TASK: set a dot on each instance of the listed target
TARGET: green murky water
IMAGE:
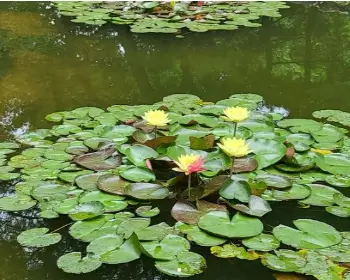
(300, 61)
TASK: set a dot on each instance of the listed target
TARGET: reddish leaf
(185, 212)
(156, 142)
(204, 143)
(206, 206)
(244, 165)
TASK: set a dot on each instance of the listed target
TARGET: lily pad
(235, 189)
(112, 184)
(311, 234)
(200, 237)
(74, 263)
(240, 226)
(262, 242)
(138, 154)
(104, 244)
(297, 191)
(167, 249)
(185, 212)
(16, 203)
(87, 210)
(257, 206)
(233, 251)
(100, 160)
(138, 174)
(267, 152)
(88, 182)
(147, 211)
(334, 163)
(129, 226)
(38, 237)
(284, 261)
(129, 251)
(275, 181)
(155, 233)
(146, 191)
(186, 264)
(321, 195)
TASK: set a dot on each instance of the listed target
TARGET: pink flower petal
(149, 164)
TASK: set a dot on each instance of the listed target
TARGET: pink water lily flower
(190, 164)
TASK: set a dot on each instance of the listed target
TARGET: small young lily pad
(38, 237)
(147, 211)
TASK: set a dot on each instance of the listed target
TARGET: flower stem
(189, 186)
(234, 130)
(155, 132)
(232, 165)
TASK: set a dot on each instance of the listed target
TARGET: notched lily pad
(38, 237)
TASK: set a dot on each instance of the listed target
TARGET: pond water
(300, 61)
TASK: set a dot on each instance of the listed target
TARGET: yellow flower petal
(184, 161)
(234, 147)
(156, 118)
(236, 114)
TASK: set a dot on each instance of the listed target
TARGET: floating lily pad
(138, 174)
(262, 242)
(186, 264)
(155, 233)
(74, 263)
(200, 237)
(267, 152)
(112, 184)
(234, 189)
(146, 191)
(147, 211)
(275, 181)
(129, 251)
(321, 195)
(38, 237)
(297, 191)
(334, 163)
(167, 249)
(219, 223)
(9, 145)
(100, 160)
(257, 206)
(87, 210)
(232, 251)
(311, 234)
(284, 261)
(89, 181)
(129, 226)
(104, 244)
(138, 154)
(185, 212)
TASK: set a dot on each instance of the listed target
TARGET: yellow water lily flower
(189, 164)
(321, 151)
(234, 147)
(236, 114)
(156, 118)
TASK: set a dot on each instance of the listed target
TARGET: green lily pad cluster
(103, 168)
(171, 17)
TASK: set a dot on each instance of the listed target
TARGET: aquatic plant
(171, 17)
(103, 168)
